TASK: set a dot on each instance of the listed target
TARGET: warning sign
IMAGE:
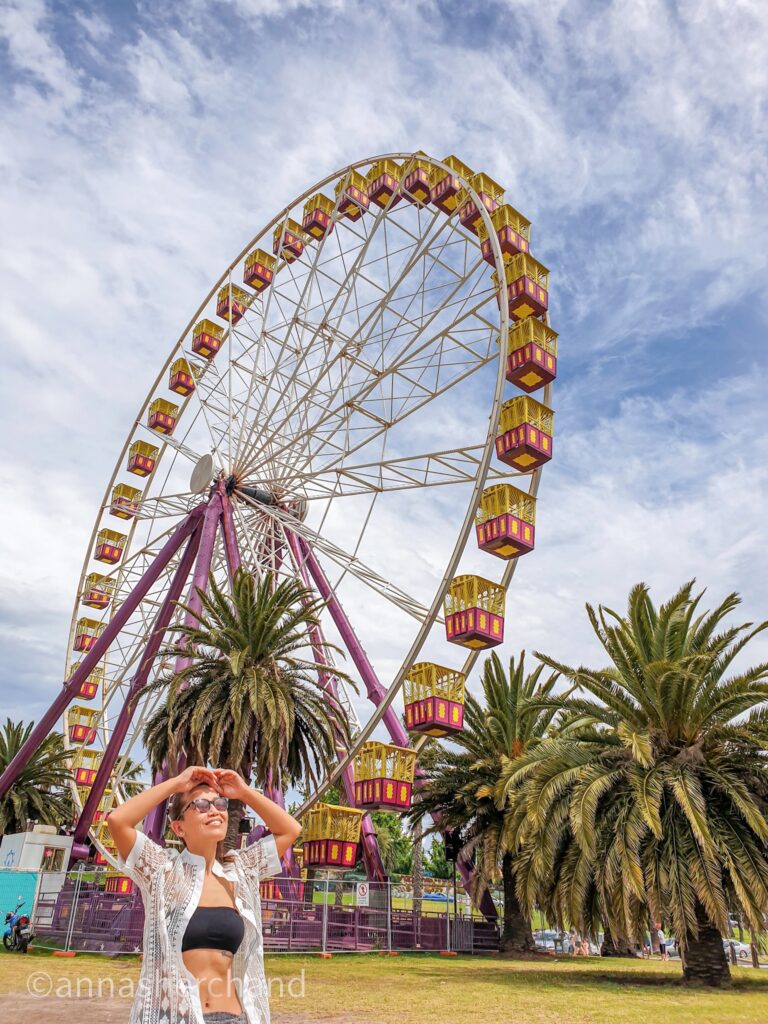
(362, 894)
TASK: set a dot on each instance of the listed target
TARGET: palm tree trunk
(705, 961)
(418, 866)
(236, 813)
(417, 879)
(516, 935)
(616, 944)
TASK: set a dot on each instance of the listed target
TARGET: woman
(203, 949)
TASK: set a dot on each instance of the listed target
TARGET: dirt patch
(21, 1006)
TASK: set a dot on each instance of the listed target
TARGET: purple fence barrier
(78, 914)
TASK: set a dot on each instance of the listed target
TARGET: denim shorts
(224, 1017)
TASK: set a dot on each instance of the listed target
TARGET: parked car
(743, 951)
(545, 938)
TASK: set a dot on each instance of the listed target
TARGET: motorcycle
(18, 933)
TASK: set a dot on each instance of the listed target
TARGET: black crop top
(214, 928)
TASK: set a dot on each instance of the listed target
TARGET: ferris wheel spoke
(322, 332)
(205, 387)
(421, 247)
(430, 469)
(353, 344)
(415, 352)
(182, 449)
(363, 413)
(349, 563)
(165, 505)
(310, 280)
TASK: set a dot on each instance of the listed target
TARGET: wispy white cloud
(33, 51)
(96, 27)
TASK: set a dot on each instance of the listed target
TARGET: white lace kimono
(171, 883)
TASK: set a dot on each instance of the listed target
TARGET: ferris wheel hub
(296, 506)
(257, 494)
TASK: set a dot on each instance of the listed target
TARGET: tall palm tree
(657, 797)
(461, 784)
(40, 791)
(129, 778)
(253, 702)
(417, 870)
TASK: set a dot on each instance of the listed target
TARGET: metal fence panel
(71, 910)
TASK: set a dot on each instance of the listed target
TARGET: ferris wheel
(350, 405)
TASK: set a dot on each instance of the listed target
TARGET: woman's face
(200, 830)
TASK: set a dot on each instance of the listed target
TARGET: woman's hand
(193, 776)
(230, 783)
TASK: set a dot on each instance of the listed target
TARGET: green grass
(411, 989)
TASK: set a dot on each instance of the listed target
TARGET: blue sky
(141, 145)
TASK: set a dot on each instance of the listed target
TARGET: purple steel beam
(202, 571)
(155, 821)
(374, 866)
(151, 827)
(376, 691)
(99, 649)
(162, 620)
(231, 547)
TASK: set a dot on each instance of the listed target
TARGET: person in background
(662, 942)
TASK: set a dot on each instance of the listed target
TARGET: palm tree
(252, 702)
(395, 847)
(129, 777)
(461, 784)
(657, 796)
(40, 792)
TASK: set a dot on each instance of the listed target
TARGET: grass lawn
(413, 989)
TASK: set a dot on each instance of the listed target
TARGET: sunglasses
(203, 803)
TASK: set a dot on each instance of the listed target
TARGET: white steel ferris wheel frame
(469, 465)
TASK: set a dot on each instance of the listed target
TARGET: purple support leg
(79, 845)
(202, 570)
(154, 825)
(375, 690)
(374, 865)
(99, 649)
(231, 547)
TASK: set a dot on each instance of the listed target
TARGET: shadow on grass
(562, 974)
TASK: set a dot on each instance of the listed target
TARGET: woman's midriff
(213, 970)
